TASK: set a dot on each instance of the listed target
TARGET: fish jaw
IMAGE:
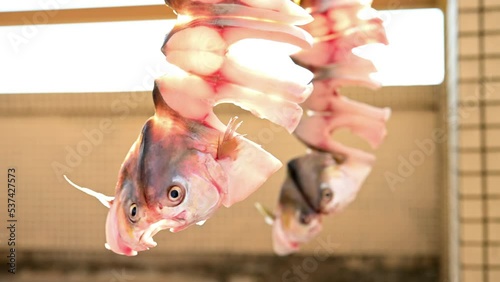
(125, 240)
(127, 237)
(147, 237)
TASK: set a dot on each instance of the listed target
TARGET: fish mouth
(146, 239)
(180, 222)
(181, 216)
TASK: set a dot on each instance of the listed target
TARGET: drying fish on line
(186, 163)
(327, 180)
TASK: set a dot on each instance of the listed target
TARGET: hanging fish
(178, 173)
(316, 184)
(186, 163)
(328, 179)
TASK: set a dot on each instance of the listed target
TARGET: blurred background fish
(317, 184)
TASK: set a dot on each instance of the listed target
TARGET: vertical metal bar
(452, 160)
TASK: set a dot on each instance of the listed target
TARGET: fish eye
(326, 195)
(133, 213)
(175, 194)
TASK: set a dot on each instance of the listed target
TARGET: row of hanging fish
(328, 179)
(186, 163)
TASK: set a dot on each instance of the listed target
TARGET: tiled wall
(479, 139)
(39, 131)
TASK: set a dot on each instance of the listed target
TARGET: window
(125, 56)
(87, 57)
(415, 54)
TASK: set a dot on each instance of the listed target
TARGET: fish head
(327, 182)
(317, 176)
(164, 184)
(186, 191)
(177, 174)
(130, 224)
(177, 166)
(299, 212)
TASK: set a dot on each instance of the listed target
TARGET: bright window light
(125, 56)
(36, 5)
(89, 57)
(415, 54)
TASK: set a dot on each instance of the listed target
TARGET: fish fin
(269, 217)
(105, 200)
(161, 107)
(248, 172)
(228, 146)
